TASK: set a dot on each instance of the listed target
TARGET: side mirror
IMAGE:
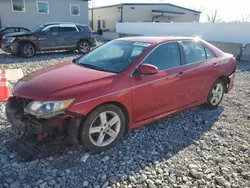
(148, 69)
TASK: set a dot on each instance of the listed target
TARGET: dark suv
(48, 37)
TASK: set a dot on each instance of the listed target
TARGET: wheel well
(25, 41)
(85, 40)
(224, 79)
(122, 107)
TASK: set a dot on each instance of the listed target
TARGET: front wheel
(27, 50)
(102, 128)
(216, 94)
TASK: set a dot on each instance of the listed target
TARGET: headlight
(9, 39)
(47, 109)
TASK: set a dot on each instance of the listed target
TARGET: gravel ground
(196, 148)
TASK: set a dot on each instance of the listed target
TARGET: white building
(106, 17)
(29, 13)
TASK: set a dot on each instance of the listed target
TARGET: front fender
(123, 97)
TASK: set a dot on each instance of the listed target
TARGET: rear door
(68, 36)
(48, 38)
(201, 70)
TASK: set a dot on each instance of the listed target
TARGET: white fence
(219, 32)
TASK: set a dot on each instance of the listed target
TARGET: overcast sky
(228, 10)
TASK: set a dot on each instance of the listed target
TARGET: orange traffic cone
(4, 88)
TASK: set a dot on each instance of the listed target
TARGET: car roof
(63, 23)
(156, 39)
(14, 27)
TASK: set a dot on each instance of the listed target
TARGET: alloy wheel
(28, 50)
(104, 128)
(217, 94)
(84, 47)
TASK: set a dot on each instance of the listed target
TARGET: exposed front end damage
(65, 124)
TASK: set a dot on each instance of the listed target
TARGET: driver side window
(50, 29)
(166, 56)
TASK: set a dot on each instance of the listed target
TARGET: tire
(83, 46)
(102, 131)
(27, 50)
(217, 89)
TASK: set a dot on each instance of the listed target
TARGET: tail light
(234, 63)
(234, 59)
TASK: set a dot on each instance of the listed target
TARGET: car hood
(62, 81)
(18, 34)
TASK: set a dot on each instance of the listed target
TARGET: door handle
(215, 64)
(54, 33)
(180, 74)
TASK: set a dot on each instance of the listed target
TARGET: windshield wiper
(92, 67)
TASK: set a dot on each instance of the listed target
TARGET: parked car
(7, 30)
(121, 85)
(48, 37)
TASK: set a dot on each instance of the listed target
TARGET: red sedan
(119, 86)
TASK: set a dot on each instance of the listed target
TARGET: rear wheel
(83, 46)
(103, 128)
(216, 94)
(27, 50)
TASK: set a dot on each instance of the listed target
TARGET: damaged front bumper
(66, 124)
(28, 123)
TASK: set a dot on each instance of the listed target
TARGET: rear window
(83, 28)
(209, 53)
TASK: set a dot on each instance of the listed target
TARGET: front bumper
(25, 122)
(10, 48)
(92, 41)
(231, 82)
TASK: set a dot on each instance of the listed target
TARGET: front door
(48, 38)
(163, 92)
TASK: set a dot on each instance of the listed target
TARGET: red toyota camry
(118, 86)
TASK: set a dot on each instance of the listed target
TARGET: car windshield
(1, 29)
(114, 56)
(37, 28)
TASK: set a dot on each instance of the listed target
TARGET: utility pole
(92, 6)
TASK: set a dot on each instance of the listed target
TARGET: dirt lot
(196, 148)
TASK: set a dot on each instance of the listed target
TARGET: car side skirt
(156, 118)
